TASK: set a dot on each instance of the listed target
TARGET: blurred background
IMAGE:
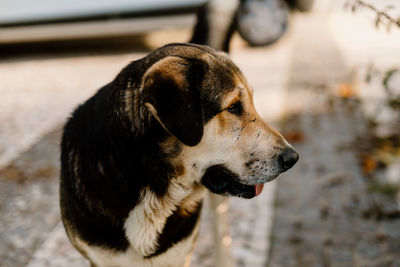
(325, 73)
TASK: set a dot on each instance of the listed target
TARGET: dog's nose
(288, 158)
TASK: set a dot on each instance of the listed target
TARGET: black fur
(99, 201)
(178, 226)
(179, 108)
(108, 157)
(106, 161)
(218, 179)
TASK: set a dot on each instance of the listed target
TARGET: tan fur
(230, 140)
(129, 98)
(227, 139)
(169, 68)
(146, 221)
(220, 144)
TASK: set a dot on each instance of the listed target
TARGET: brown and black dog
(138, 157)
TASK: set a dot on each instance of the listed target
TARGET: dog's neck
(146, 222)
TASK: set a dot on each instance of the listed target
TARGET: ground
(339, 206)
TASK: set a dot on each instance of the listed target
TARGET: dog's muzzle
(220, 180)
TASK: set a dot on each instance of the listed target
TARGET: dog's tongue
(258, 188)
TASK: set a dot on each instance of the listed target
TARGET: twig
(381, 15)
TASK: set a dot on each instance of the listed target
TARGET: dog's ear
(171, 93)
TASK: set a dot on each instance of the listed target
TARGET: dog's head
(217, 138)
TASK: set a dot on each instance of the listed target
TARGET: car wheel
(262, 22)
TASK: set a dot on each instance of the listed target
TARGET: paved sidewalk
(327, 212)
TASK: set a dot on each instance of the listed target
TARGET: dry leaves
(369, 164)
(346, 90)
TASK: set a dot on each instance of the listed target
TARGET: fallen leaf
(12, 173)
(369, 164)
(346, 90)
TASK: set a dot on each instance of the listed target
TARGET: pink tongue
(258, 188)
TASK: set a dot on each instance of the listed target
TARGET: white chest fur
(143, 226)
(176, 256)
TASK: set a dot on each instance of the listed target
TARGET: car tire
(262, 22)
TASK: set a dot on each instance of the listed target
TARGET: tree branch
(381, 15)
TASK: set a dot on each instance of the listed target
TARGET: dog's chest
(157, 229)
(178, 255)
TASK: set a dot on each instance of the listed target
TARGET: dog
(139, 156)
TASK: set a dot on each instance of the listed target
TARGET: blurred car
(259, 22)
(43, 20)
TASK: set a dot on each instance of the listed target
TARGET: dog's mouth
(218, 179)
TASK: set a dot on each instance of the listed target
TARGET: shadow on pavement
(74, 48)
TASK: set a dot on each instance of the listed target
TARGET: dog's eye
(236, 108)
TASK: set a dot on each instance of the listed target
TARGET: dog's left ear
(171, 92)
